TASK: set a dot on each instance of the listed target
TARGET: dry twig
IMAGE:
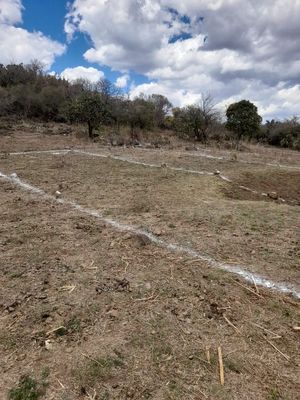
(276, 348)
(232, 325)
(276, 336)
(208, 354)
(247, 288)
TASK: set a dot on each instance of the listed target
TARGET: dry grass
(147, 339)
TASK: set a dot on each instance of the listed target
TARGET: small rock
(58, 194)
(217, 172)
(48, 345)
(273, 195)
(113, 313)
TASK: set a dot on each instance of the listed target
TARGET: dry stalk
(249, 289)
(208, 354)
(232, 325)
(55, 329)
(296, 328)
(276, 336)
(276, 348)
(221, 366)
(150, 298)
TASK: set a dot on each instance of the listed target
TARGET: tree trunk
(90, 130)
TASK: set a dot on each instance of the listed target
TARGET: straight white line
(234, 269)
(131, 161)
(241, 161)
(199, 154)
(190, 171)
(55, 152)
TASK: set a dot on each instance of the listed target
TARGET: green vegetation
(29, 388)
(243, 119)
(99, 369)
(196, 121)
(26, 91)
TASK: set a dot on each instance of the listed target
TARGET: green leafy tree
(196, 121)
(162, 108)
(243, 119)
(140, 114)
(87, 108)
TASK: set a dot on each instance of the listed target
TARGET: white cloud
(18, 45)
(91, 74)
(179, 97)
(122, 81)
(10, 11)
(230, 48)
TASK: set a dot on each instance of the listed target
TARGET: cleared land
(135, 320)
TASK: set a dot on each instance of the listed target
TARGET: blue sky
(180, 49)
(48, 16)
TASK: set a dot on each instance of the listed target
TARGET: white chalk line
(187, 154)
(131, 161)
(234, 269)
(53, 152)
(178, 169)
(241, 161)
(119, 158)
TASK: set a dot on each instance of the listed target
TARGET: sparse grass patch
(8, 341)
(73, 325)
(99, 369)
(274, 394)
(233, 365)
(29, 388)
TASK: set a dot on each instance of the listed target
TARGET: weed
(100, 368)
(73, 325)
(233, 366)
(274, 395)
(174, 390)
(8, 341)
(29, 388)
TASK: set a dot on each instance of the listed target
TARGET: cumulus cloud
(91, 74)
(18, 45)
(10, 11)
(230, 48)
(122, 81)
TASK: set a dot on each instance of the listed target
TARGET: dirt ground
(89, 312)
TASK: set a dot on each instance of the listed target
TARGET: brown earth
(136, 321)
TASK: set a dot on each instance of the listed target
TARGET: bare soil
(108, 315)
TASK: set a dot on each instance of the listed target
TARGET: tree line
(27, 92)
